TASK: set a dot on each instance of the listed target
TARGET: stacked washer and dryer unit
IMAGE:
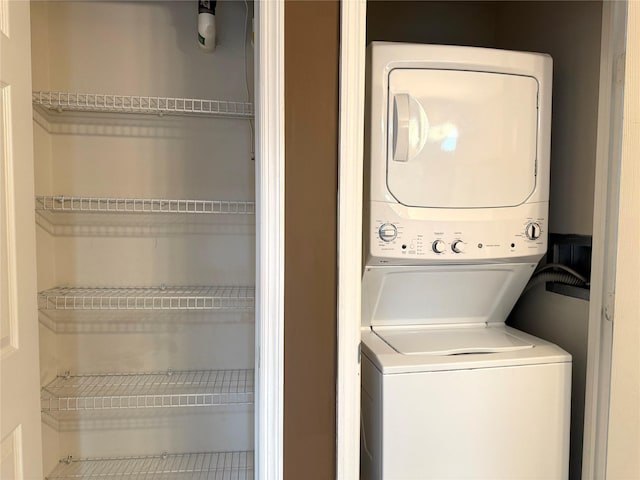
(456, 214)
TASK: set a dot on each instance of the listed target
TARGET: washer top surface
(452, 341)
(399, 350)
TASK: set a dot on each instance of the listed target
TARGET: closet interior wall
(570, 33)
(147, 49)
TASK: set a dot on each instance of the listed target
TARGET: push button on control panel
(388, 232)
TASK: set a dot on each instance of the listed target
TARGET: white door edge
(605, 233)
(269, 346)
(352, 72)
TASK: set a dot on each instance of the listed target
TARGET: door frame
(352, 68)
(269, 334)
(605, 239)
(353, 23)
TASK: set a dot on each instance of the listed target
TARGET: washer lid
(451, 341)
(461, 139)
(400, 296)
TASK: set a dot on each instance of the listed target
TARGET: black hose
(554, 277)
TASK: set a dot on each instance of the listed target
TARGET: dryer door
(461, 139)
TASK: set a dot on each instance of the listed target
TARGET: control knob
(439, 246)
(533, 231)
(458, 246)
(388, 232)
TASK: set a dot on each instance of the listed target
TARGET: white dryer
(456, 199)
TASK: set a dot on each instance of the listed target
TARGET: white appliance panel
(461, 139)
(487, 423)
(457, 203)
(458, 142)
(401, 235)
(431, 295)
(388, 361)
(461, 340)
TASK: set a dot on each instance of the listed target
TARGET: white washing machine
(456, 199)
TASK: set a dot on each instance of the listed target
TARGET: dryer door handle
(410, 127)
(401, 118)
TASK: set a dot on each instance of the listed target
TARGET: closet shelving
(70, 215)
(74, 215)
(114, 399)
(148, 298)
(107, 103)
(118, 391)
(184, 466)
(60, 204)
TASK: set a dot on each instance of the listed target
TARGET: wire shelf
(180, 389)
(140, 321)
(97, 102)
(183, 466)
(62, 204)
(148, 298)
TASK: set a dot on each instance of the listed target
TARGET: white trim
(623, 436)
(269, 240)
(352, 70)
(605, 229)
(9, 229)
(4, 18)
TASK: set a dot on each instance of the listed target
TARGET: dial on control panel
(533, 231)
(387, 232)
(438, 246)
(458, 246)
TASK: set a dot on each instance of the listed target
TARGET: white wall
(623, 453)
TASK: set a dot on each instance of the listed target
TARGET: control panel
(414, 240)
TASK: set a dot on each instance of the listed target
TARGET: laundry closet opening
(571, 33)
(145, 202)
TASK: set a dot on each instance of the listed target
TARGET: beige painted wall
(623, 453)
(311, 54)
